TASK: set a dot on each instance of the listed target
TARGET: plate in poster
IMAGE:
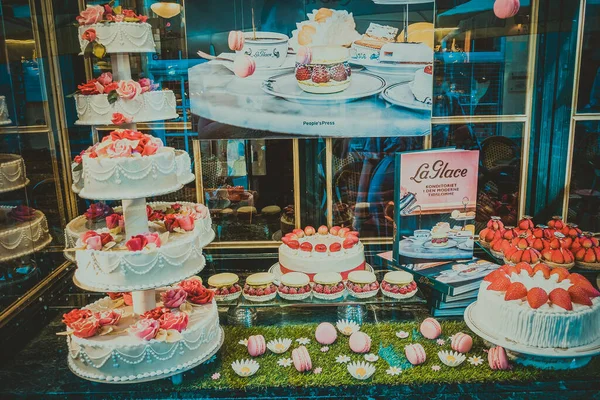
(450, 243)
(401, 95)
(388, 68)
(546, 358)
(285, 86)
(465, 246)
(263, 73)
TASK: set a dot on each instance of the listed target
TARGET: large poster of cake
(435, 201)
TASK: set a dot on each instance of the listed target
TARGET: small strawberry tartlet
(225, 286)
(259, 287)
(398, 285)
(328, 286)
(327, 71)
(294, 286)
(362, 284)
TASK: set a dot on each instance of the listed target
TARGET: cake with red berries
(324, 70)
(362, 284)
(259, 287)
(398, 285)
(225, 285)
(539, 306)
(493, 231)
(324, 250)
(328, 286)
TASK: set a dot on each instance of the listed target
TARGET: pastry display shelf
(218, 95)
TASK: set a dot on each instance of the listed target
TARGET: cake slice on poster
(435, 201)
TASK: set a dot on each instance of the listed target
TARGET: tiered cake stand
(136, 222)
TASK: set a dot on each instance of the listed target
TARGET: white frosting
(149, 106)
(313, 262)
(133, 177)
(339, 29)
(547, 326)
(117, 358)
(409, 53)
(77, 226)
(4, 120)
(121, 37)
(122, 271)
(24, 237)
(422, 87)
(12, 172)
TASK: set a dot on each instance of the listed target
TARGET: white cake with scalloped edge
(107, 342)
(128, 165)
(12, 172)
(311, 252)
(149, 106)
(566, 318)
(120, 37)
(23, 231)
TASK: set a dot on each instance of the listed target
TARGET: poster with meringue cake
(435, 202)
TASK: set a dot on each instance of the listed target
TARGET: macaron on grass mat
(218, 374)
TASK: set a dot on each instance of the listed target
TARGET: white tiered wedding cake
(136, 333)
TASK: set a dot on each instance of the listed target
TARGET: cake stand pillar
(136, 223)
(121, 69)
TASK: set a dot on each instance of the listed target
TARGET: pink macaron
(430, 328)
(497, 358)
(301, 359)
(360, 342)
(415, 353)
(506, 8)
(326, 333)
(243, 66)
(236, 40)
(256, 345)
(461, 342)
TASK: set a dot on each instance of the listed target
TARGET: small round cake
(225, 286)
(422, 85)
(294, 286)
(398, 285)
(12, 172)
(328, 286)
(259, 287)
(327, 71)
(23, 231)
(328, 250)
(362, 284)
(545, 308)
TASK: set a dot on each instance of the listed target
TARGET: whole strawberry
(338, 73)
(320, 74)
(303, 73)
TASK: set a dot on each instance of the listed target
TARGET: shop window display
(221, 197)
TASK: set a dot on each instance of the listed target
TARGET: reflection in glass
(499, 148)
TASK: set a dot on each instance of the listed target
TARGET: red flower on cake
(127, 299)
(75, 315)
(115, 220)
(197, 293)
(105, 78)
(184, 222)
(129, 89)
(137, 243)
(178, 321)
(111, 317)
(142, 18)
(97, 211)
(22, 213)
(149, 149)
(88, 88)
(155, 313)
(78, 159)
(91, 15)
(154, 215)
(132, 135)
(85, 327)
(92, 240)
(110, 87)
(89, 35)
(173, 298)
(105, 238)
(119, 119)
(129, 13)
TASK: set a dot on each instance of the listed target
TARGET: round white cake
(549, 325)
(121, 37)
(422, 85)
(125, 357)
(113, 169)
(327, 253)
(12, 172)
(22, 236)
(150, 106)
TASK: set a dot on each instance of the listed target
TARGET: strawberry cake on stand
(548, 318)
(158, 320)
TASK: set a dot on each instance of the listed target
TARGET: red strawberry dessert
(327, 71)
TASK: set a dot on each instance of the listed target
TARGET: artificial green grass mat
(334, 374)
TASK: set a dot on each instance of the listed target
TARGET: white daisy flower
(243, 342)
(441, 342)
(324, 349)
(216, 376)
(284, 362)
(303, 340)
(371, 357)
(342, 359)
(393, 371)
(475, 360)
(318, 370)
(436, 367)
(402, 334)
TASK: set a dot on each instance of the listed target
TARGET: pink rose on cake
(178, 321)
(89, 35)
(115, 220)
(146, 84)
(105, 78)
(85, 327)
(149, 149)
(137, 243)
(173, 298)
(120, 148)
(155, 313)
(129, 89)
(153, 238)
(127, 299)
(181, 221)
(92, 240)
(132, 135)
(76, 315)
(145, 329)
(119, 119)
(91, 15)
(110, 317)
